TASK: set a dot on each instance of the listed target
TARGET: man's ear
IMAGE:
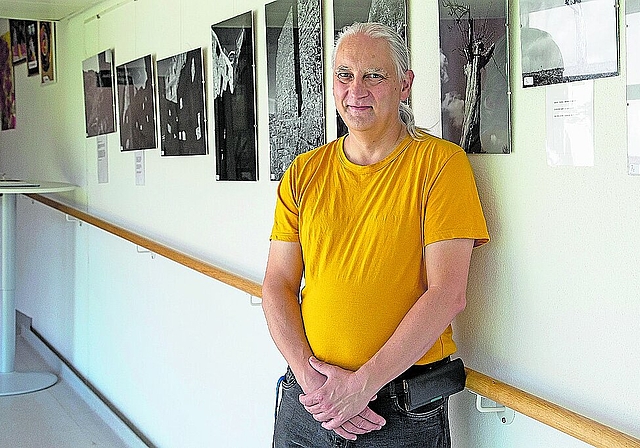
(407, 82)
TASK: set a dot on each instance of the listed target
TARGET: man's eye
(375, 76)
(344, 77)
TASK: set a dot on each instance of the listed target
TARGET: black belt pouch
(436, 384)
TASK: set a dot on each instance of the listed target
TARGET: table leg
(12, 382)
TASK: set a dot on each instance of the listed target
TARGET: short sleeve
(285, 222)
(453, 208)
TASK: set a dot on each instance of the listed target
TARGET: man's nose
(358, 87)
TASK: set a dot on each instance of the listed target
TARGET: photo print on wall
(234, 101)
(31, 34)
(474, 75)
(7, 89)
(389, 12)
(295, 80)
(181, 101)
(47, 34)
(136, 104)
(18, 41)
(568, 40)
(99, 94)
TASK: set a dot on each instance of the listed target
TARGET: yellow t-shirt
(362, 230)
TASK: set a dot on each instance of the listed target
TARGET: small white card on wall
(103, 159)
(570, 124)
(633, 87)
(139, 156)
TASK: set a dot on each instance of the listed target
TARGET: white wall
(552, 304)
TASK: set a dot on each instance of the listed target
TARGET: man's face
(366, 88)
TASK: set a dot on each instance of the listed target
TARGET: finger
(352, 429)
(345, 434)
(363, 424)
(368, 414)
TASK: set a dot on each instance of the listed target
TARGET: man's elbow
(459, 303)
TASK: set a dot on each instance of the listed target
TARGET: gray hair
(399, 57)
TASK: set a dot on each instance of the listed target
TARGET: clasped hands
(341, 403)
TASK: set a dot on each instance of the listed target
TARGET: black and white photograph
(568, 40)
(234, 100)
(296, 84)
(390, 12)
(474, 75)
(98, 75)
(136, 104)
(181, 104)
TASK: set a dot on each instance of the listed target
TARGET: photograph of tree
(390, 12)
(474, 75)
(568, 40)
(136, 104)
(234, 101)
(294, 71)
(181, 101)
(99, 94)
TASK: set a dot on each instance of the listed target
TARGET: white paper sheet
(103, 159)
(570, 124)
(140, 170)
(633, 89)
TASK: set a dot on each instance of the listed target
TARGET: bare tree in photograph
(477, 49)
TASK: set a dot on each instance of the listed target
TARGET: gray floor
(56, 417)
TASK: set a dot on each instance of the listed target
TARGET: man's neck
(364, 149)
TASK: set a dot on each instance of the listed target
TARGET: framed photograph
(234, 102)
(390, 12)
(98, 76)
(33, 44)
(7, 89)
(568, 40)
(18, 41)
(136, 104)
(47, 51)
(181, 104)
(474, 75)
(296, 84)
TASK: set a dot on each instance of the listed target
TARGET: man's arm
(281, 307)
(345, 393)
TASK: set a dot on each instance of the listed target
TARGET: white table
(12, 382)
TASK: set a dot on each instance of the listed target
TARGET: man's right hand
(311, 380)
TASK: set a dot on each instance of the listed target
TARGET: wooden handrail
(576, 425)
(569, 422)
(241, 283)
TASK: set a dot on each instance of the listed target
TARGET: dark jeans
(426, 427)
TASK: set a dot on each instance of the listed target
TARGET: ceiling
(43, 9)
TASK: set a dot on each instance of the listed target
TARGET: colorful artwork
(18, 41)
(47, 51)
(31, 33)
(7, 94)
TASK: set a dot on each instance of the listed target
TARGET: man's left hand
(340, 398)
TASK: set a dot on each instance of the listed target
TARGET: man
(381, 225)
